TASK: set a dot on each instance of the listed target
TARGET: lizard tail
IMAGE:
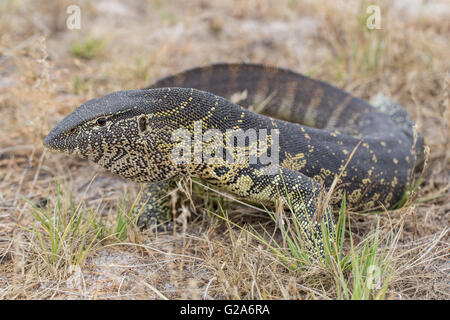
(272, 91)
(399, 115)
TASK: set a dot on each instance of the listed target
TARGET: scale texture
(321, 133)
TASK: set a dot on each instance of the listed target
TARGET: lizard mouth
(49, 142)
(54, 143)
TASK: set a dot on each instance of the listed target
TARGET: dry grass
(47, 70)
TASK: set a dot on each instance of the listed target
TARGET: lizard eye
(101, 122)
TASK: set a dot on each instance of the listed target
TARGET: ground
(47, 70)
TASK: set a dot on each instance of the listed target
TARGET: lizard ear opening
(142, 124)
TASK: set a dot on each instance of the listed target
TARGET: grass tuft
(361, 272)
(88, 48)
(67, 232)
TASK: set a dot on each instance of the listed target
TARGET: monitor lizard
(318, 132)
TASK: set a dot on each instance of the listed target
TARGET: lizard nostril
(46, 141)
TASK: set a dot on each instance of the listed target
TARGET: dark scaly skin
(154, 209)
(133, 139)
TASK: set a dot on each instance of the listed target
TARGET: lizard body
(316, 131)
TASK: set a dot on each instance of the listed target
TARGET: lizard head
(120, 133)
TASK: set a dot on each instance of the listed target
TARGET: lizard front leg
(154, 208)
(298, 192)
